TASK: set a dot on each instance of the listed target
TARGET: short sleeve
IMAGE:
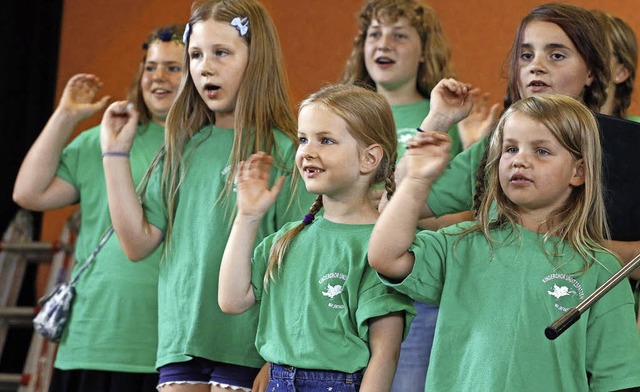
(426, 280)
(375, 300)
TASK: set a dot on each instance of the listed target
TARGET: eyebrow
(525, 45)
(536, 141)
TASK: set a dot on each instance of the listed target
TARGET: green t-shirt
(316, 314)
(495, 304)
(633, 118)
(191, 322)
(409, 117)
(453, 191)
(113, 322)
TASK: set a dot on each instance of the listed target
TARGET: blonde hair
(262, 103)
(435, 48)
(370, 121)
(581, 220)
(624, 48)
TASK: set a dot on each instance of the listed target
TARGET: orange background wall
(105, 37)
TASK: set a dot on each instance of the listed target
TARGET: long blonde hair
(581, 220)
(435, 48)
(262, 103)
(370, 121)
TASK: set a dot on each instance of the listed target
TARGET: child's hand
(427, 155)
(480, 120)
(118, 127)
(254, 196)
(451, 100)
(78, 97)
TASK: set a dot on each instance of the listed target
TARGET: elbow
(229, 307)
(23, 200)
(132, 253)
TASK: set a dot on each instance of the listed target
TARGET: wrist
(436, 122)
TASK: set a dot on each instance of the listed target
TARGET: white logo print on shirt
(332, 291)
(331, 286)
(566, 291)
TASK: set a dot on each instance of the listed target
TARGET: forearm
(137, 237)
(394, 231)
(445, 220)
(435, 121)
(38, 169)
(235, 293)
(385, 337)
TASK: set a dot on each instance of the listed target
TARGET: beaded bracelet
(115, 154)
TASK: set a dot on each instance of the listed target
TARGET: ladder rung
(17, 315)
(11, 378)
(45, 247)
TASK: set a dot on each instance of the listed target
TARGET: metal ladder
(16, 250)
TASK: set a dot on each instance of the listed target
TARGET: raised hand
(118, 127)
(480, 120)
(427, 156)
(78, 97)
(254, 196)
(450, 102)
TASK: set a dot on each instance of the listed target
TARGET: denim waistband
(291, 373)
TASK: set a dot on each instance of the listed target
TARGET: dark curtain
(29, 48)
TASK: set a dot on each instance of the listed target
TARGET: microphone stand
(573, 314)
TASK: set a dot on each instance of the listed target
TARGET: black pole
(572, 315)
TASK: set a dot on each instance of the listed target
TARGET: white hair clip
(242, 24)
(185, 36)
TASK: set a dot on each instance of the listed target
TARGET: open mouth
(384, 61)
(519, 179)
(537, 83)
(312, 170)
(160, 91)
(211, 87)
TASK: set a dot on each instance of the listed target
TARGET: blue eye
(326, 140)
(302, 140)
(511, 150)
(542, 151)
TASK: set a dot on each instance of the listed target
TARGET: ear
(370, 158)
(589, 79)
(578, 173)
(620, 74)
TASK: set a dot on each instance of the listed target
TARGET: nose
(520, 160)
(384, 43)
(537, 66)
(206, 69)
(160, 73)
(307, 151)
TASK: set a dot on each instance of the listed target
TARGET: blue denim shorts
(289, 379)
(203, 371)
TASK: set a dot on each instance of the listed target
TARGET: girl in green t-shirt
(536, 250)
(232, 102)
(326, 321)
(110, 341)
